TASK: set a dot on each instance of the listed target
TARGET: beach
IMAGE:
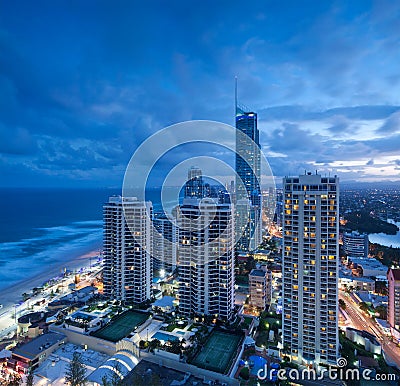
(13, 294)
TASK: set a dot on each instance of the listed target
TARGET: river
(387, 240)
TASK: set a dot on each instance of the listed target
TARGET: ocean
(40, 228)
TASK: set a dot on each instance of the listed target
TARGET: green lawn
(121, 326)
(217, 354)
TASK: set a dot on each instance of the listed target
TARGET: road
(360, 321)
(7, 314)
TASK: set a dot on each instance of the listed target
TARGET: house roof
(33, 348)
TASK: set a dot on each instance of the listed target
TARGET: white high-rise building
(206, 258)
(310, 268)
(127, 248)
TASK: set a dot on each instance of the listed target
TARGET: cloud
(83, 90)
(391, 124)
(17, 141)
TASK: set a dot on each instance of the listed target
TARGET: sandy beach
(13, 294)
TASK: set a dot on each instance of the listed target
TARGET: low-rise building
(165, 304)
(356, 283)
(260, 287)
(33, 353)
(365, 339)
(366, 267)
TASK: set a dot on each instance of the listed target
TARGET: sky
(84, 83)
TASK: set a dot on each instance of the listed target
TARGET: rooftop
(33, 348)
(395, 273)
(257, 272)
(166, 301)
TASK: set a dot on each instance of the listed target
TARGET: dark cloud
(391, 125)
(16, 141)
(83, 84)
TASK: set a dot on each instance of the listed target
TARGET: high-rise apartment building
(206, 258)
(248, 169)
(195, 186)
(165, 238)
(260, 285)
(247, 225)
(310, 268)
(127, 247)
(393, 317)
(355, 244)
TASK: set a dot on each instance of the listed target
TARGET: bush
(245, 373)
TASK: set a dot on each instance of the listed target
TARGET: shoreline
(12, 294)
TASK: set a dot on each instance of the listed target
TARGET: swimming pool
(81, 315)
(163, 336)
(180, 332)
(259, 363)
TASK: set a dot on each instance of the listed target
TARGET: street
(360, 321)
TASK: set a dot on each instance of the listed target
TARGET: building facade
(165, 251)
(195, 186)
(127, 248)
(260, 288)
(248, 169)
(393, 277)
(310, 268)
(355, 244)
(206, 258)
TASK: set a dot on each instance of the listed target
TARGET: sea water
(41, 228)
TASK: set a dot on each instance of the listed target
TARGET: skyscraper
(195, 186)
(165, 237)
(310, 268)
(127, 249)
(393, 317)
(248, 169)
(206, 258)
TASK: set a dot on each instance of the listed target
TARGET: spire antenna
(236, 100)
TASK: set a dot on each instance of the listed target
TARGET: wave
(48, 236)
(54, 246)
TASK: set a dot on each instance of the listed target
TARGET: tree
(381, 311)
(363, 306)
(342, 304)
(14, 380)
(155, 380)
(29, 378)
(76, 372)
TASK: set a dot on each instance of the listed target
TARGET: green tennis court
(121, 326)
(217, 354)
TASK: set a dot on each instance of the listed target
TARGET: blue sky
(84, 83)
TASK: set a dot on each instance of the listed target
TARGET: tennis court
(121, 326)
(217, 354)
